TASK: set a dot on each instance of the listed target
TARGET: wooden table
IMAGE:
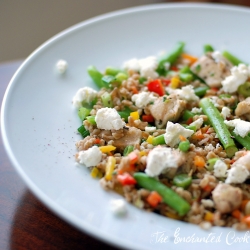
(25, 223)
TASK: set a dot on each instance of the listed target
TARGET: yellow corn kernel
(150, 139)
(142, 153)
(209, 216)
(172, 216)
(110, 168)
(175, 82)
(107, 149)
(135, 115)
(94, 173)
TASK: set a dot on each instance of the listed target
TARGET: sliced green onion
(82, 130)
(182, 180)
(128, 150)
(201, 91)
(91, 119)
(158, 140)
(106, 100)
(83, 113)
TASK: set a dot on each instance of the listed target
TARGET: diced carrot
(182, 138)
(237, 214)
(174, 68)
(209, 216)
(154, 199)
(214, 89)
(134, 90)
(243, 204)
(148, 118)
(207, 188)
(205, 129)
(246, 220)
(199, 161)
(198, 135)
(133, 157)
(190, 58)
(97, 141)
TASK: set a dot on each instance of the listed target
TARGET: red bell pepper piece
(157, 87)
(148, 118)
(126, 179)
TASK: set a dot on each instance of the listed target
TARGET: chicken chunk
(132, 136)
(211, 70)
(226, 197)
(167, 109)
(243, 109)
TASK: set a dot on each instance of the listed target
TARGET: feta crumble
(61, 66)
(108, 118)
(225, 112)
(185, 93)
(173, 131)
(142, 99)
(197, 123)
(118, 207)
(237, 174)
(196, 110)
(220, 169)
(150, 129)
(159, 159)
(241, 127)
(239, 75)
(85, 94)
(90, 157)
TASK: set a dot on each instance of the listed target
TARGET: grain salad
(171, 135)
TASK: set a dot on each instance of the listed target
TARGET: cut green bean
(184, 146)
(172, 199)
(219, 126)
(245, 142)
(182, 180)
(108, 80)
(83, 131)
(187, 70)
(106, 100)
(128, 150)
(231, 58)
(201, 91)
(207, 48)
(186, 77)
(187, 114)
(121, 76)
(91, 119)
(170, 58)
(83, 113)
(158, 140)
(142, 80)
(112, 71)
(96, 76)
(125, 113)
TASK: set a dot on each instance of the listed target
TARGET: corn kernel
(135, 115)
(175, 82)
(110, 168)
(107, 149)
(150, 139)
(94, 173)
(209, 216)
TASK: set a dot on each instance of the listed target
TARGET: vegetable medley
(172, 135)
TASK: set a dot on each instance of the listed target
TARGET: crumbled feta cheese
(147, 66)
(150, 129)
(239, 75)
(209, 147)
(196, 110)
(108, 118)
(61, 66)
(118, 207)
(159, 159)
(214, 99)
(90, 157)
(217, 56)
(220, 169)
(225, 112)
(142, 99)
(237, 174)
(241, 127)
(85, 94)
(186, 93)
(173, 131)
(207, 203)
(243, 160)
(197, 123)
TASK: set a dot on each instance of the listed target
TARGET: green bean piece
(170, 58)
(128, 150)
(207, 48)
(108, 80)
(219, 126)
(186, 70)
(210, 163)
(158, 140)
(201, 91)
(231, 58)
(182, 180)
(112, 71)
(184, 146)
(244, 89)
(186, 77)
(224, 96)
(121, 76)
(125, 113)
(142, 80)
(83, 113)
(96, 76)
(83, 131)
(106, 100)
(245, 142)
(187, 114)
(171, 198)
(91, 119)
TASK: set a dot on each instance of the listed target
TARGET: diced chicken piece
(243, 109)
(167, 109)
(244, 160)
(226, 197)
(132, 136)
(211, 70)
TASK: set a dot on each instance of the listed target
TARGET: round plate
(39, 123)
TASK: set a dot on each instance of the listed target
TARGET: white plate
(39, 123)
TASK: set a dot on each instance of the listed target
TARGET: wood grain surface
(25, 223)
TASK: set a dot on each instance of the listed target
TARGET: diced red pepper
(148, 118)
(189, 120)
(166, 81)
(126, 179)
(157, 87)
(154, 199)
(97, 141)
(133, 157)
(174, 68)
